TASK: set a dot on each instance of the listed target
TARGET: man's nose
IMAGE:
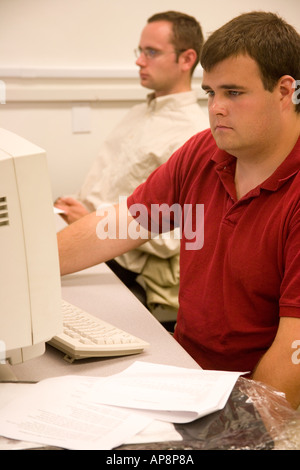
(141, 60)
(217, 106)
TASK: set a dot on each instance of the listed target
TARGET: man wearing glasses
(167, 55)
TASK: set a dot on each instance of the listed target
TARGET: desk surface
(98, 291)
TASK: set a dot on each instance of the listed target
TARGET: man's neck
(252, 170)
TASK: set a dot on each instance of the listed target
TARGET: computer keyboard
(85, 335)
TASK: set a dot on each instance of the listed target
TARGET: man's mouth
(221, 127)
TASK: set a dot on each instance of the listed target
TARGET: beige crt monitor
(30, 290)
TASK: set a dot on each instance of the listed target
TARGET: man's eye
(151, 52)
(209, 92)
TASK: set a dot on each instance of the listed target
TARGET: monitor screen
(30, 300)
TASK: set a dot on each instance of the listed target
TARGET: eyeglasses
(150, 53)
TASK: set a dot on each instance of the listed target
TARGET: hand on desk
(73, 209)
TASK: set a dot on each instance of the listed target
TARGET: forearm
(281, 380)
(80, 246)
(277, 367)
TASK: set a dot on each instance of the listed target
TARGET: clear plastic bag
(281, 421)
(256, 417)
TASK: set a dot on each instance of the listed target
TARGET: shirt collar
(171, 101)
(289, 167)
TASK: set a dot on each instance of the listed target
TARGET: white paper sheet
(55, 412)
(169, 393)
(56, 210)
(156, 431)
(8, 392)
(75, 412)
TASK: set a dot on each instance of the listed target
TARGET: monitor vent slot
(4, 219)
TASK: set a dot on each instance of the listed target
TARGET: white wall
(61, 55)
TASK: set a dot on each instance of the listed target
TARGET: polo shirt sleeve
(290, 287)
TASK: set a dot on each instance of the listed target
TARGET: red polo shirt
(247, 274)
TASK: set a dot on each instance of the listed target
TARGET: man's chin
(223, 144)
(146, 85)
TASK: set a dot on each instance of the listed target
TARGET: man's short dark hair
(187, 32)
(265, 37)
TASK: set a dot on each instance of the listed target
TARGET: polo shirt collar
(288, 168)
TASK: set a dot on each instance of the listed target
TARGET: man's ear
(286, 88)
(188, 59)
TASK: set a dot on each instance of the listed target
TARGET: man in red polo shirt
(240, 274)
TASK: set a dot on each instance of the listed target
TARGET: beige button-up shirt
(143, 140)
